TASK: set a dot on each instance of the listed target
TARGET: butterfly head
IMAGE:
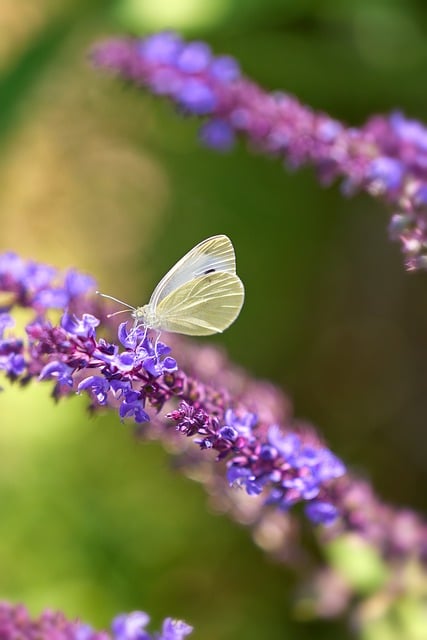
(146, 316)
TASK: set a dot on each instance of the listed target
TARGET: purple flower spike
(16, 624)
(387, 156)
(245, 424)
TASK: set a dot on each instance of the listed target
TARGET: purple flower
(237, 474)
(131, 626)
(387, 156)
(76, 284)
(133, 406)
(289, 465)
(58, 370)
(12, 266)
(190, 420)
(194, 57)
(321, 512)
(292, 472)
(143, 352)
(174, 630)
(196, 97)
(408, 130)
(225, 69)
(84, 327)
(52, 298)
(161, 48)
(329, 466)
(16, 624)
(6, 322)
(217, 134)
(385, 174)
(242, 423)
(288, 445)
(14, 364)
(38, 276)
(96, 385)
(228, 433)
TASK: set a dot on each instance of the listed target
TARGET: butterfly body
(146, 316)
(200, 295)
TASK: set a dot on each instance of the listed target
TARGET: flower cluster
(17, 624)
(70, 353)
(386, 157)
(111, 376)
(141, 375)
(289, 469)
(40, 286)
(246, 423)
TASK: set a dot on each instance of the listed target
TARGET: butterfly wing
(209, 256)
(207, 304)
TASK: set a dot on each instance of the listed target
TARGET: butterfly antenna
(116, 313)
(104, 295)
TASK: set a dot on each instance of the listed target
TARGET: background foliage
(96, 175)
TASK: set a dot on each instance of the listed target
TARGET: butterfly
(201, 294)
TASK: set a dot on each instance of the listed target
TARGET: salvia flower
(39, 285)
(246, 425)
(137, 376)
(17, 624)
(288, 470)
(386, 157)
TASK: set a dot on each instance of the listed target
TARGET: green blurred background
(98, 176)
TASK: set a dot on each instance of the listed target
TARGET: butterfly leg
(159, 333)
(136, 325)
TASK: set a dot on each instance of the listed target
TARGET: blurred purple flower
(17, 624)
(217, 134)
(387, 156)
(264, 452)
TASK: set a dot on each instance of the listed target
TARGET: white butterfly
(199, 296)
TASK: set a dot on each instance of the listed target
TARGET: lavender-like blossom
(17, 624)
(386, 157)
(40, 286)
(247, 426)
(137, 377)
(298, 473)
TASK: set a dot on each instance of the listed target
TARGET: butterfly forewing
(207, 304)
(209, 256)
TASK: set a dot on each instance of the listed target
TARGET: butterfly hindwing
(205, 305)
